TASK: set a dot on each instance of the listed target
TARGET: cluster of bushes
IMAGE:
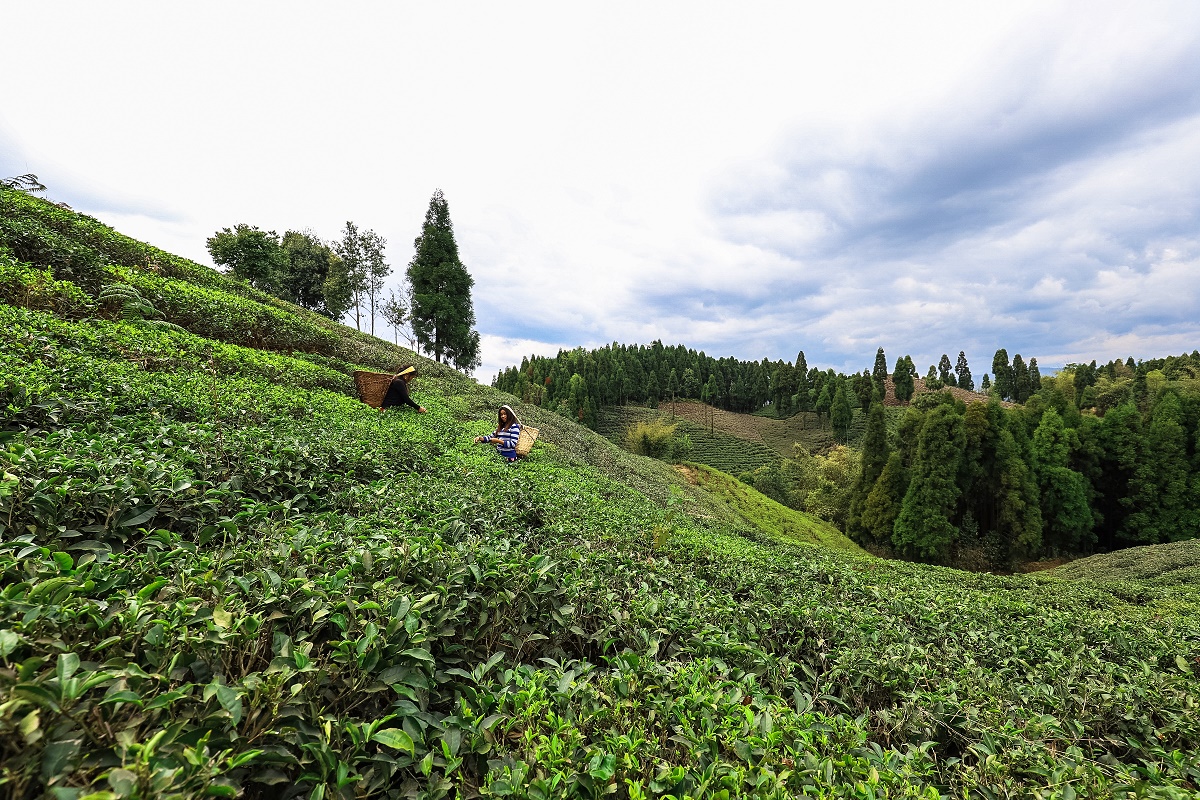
(658, 439)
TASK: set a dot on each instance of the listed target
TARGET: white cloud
(749, 181)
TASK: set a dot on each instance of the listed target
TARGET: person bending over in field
(397, 393)
(508, 430)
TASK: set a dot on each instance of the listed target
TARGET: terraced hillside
(759, 430)
(222, 575)
(715, 447)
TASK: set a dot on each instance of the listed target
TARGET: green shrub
(33, 287)
(657, 439)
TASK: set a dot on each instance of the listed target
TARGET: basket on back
(372, 386)
(525, 440)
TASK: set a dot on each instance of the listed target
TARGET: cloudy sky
(749, 179)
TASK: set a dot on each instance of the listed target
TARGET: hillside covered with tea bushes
(222, 575)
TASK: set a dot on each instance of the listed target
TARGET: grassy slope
(1159, 565)
(740, 442)
(220, 573)
(763, 514)
(723, 450)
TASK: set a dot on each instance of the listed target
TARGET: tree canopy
(442, 314)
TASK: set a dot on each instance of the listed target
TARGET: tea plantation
(221, 575)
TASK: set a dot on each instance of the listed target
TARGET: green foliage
(1003, 383)
(134, 308)
(962, 372)
(722, 451)
(658, 439)
(904, 378)
(923, 527)
(33, 287)
(1067, 519)
(219, 577)
(820, 485)
(879, 373)
(875, 452)
(312, 277)
(840, 414)
(767, 514)
(443, 316)
(1171, 566)
(250, 254)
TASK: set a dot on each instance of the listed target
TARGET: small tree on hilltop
(250, 254)
(945, 375)
(903, 378)
(442, 314)
(963, 373)
(879, 374)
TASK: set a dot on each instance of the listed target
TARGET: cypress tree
(803, 385)
(931, 379)
(883, 502)
(924, 526)
(879, 373)
(945, 375)
(963, 372)
(1160, 488)
(985, 384)
(864, 389)
(1018, 515)
(1066, 518)
(1003, 373)
(1035, 376)
(1021, 388)
(874, 459)
(443, 317)
(653, 390)
(840, 413)
(902, 379)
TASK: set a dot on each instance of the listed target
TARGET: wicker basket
(526, 439)
(372, 386)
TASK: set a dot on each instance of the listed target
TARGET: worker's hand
(421, 410)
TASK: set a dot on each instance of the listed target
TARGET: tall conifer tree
(963, 372)
(924, 526)
(1066, 517)
(1159, 490)
(879, 372)
(840, 413)
(874, 459)
(803, 385)
(1003, 374)
(443, 317)
(1021, 388)
(945, 372)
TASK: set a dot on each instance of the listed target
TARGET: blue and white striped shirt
(508, 439)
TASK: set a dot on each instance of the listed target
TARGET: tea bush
(220, 575)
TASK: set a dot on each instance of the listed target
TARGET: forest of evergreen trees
(1091, 459)
(578, 382)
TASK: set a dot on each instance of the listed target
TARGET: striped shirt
(508, 439)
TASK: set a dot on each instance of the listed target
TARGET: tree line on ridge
(1093, 458)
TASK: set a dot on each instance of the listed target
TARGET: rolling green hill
(222, 575)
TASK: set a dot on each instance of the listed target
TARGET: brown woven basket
(372, 386)
(526, 439)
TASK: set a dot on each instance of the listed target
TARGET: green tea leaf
(395, 739)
